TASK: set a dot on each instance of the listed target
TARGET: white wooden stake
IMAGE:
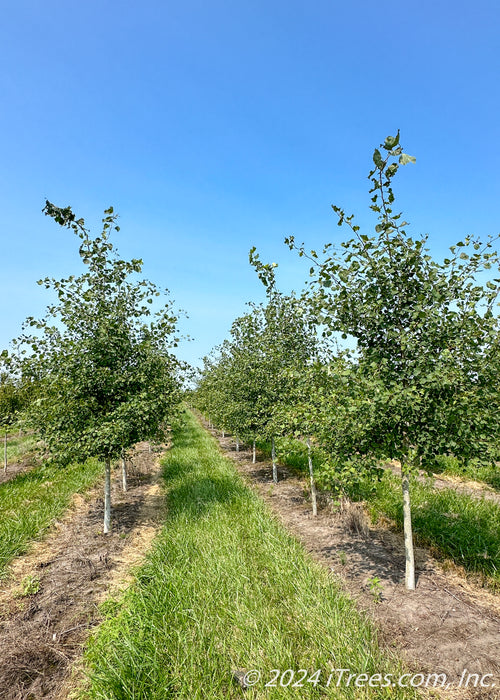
(408, 536)
(275, 466)
(313, 485)
(107, 495)
(124, 473)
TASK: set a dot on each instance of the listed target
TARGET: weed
(375, 587)
(30, 585)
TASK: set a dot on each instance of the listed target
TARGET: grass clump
(225, 589)
(31, 501)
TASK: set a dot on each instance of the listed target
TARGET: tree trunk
(253, 453)
(149, 447)
(5, 452)
(275, 466)
(237, 445)
(223, 434)
(107, 496)
(124, 473)
(408, 537)
(311, 474)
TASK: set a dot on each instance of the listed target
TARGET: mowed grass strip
(224, 590)
(31, 501)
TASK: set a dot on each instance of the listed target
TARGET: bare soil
(447, 625)
(15, 469)
(73, 569)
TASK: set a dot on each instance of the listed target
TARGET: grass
(18, 448)
(226, 589)
(465, 529)
(456, 526)
(489, 473)
(30, 502)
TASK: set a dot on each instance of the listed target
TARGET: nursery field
(203, 590)
(226, 591)
(449, 624)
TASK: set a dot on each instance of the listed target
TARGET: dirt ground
(15, 469)
(28, 461)
(73, 570)
(447, 625)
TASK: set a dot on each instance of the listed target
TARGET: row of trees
(421, 378)
(98, 369)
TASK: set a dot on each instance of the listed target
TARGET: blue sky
(215, 126)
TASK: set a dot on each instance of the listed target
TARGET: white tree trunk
(124, 473)
(5, 451)
(409, 555)
(107, 496)
(254, 456)
(237, 445)
(311, 474)
(275, 466)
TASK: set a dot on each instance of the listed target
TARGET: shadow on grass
(197, 497)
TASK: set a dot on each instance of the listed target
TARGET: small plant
(343, 558)
(29, 586)
(375, 587)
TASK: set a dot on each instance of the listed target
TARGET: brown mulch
(445, 626)
(42, 634)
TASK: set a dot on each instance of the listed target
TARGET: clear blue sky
(215, 126)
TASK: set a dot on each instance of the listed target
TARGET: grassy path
(225, 590)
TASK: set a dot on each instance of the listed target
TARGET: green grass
(30, 502)
(465, 529)
(18, 448)
(489, 473)
(226, 588)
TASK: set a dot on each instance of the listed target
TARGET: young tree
(101, 356)
(421, 328)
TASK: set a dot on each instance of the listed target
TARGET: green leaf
(377, 159)
(404, 159)
(391, 142)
